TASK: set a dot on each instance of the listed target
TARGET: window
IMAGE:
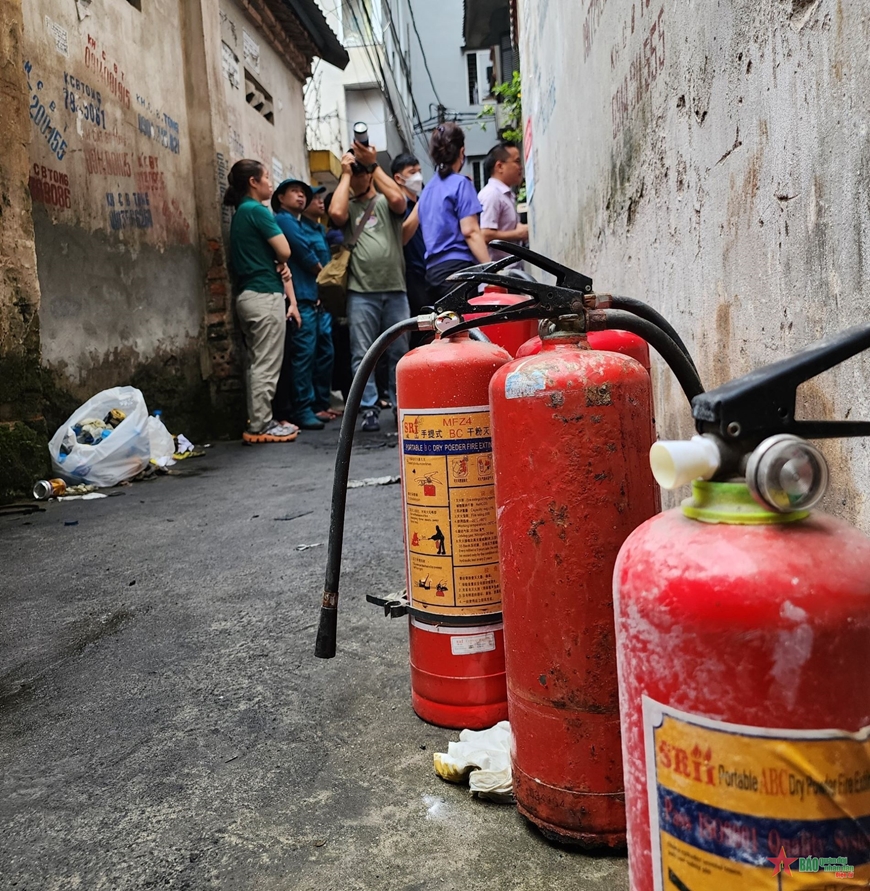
(477, 177)
(258, 98)
(356, 22)
(482, 75)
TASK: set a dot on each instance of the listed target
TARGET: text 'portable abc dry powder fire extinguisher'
(572, 429)
(743, 633)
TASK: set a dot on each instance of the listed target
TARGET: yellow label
(753, 808)
(450, 528)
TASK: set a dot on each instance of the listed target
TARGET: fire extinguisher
(453, 589)
(456, 636)
(510, 335)
(743, 628)
(571, 431)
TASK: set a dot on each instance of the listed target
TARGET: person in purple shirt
(448, 213)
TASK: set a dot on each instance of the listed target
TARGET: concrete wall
(714, 160)
(22, 429)
(113, 211)
(280, 144)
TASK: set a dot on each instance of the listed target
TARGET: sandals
(384, 404)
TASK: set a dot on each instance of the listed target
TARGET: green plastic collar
(732, 504)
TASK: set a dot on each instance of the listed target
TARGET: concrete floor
(164, 723)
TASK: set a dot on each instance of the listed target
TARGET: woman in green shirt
(258, 256)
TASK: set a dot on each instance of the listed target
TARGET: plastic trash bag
(162, 443)
(121, 455)
(483, 757)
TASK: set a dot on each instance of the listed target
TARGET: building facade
(136, 109)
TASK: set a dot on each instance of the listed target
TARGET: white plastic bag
(162, 443)
(121, 455)
(483, 757)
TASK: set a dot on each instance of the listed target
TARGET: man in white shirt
(499, 219)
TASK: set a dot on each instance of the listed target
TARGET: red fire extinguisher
(743, 628)
(451, 546)
(510, 335)
(571, 427)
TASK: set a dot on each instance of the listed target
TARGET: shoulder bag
(332, 279)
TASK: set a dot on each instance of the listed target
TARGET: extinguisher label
(469, 644)
(733, 806)
(450, 527)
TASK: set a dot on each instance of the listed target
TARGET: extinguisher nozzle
(676, 463)
(324, 648)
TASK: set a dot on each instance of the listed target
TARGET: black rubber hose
(678, 361)
(475, 334)
(324, 648)
(645, 311)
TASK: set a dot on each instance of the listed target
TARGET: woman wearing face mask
(406, 172)
(449, 211)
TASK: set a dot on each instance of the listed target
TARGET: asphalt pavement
(163, 720)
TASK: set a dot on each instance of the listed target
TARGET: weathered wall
(22, 430)
(279, 144)
(113, 210)
(714, 160)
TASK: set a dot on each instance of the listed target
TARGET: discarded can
(45, 489)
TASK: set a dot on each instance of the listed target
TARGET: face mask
(414, 183)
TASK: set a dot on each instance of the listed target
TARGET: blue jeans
(368, 316)
(312, 359)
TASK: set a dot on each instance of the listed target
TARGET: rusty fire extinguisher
(572, 427)
(743, 628)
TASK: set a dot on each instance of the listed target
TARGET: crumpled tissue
(483, 758)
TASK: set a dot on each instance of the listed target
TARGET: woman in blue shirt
(448, 212)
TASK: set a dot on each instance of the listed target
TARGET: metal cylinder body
(571, 434)
(451, 545)
(510, 335)
(744, 699)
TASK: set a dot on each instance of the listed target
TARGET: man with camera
(376, 297)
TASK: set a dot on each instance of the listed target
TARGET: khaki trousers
(262, 320)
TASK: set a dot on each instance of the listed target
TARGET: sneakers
(275, 432)
(308, 421)
(370, 422)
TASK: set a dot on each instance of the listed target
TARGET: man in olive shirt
(376, 297)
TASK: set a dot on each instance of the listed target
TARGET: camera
(361, 133)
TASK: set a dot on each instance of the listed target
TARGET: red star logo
(782, 862)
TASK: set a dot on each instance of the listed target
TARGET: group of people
(407, 241)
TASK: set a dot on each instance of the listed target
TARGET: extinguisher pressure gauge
(786, 473)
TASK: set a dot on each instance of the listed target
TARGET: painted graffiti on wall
(48, 186)
(42, 116)
(108, 71)
(84, 100)
(108, 163)
(647, 60)
(125, 213)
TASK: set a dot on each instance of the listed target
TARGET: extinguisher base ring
(567, 838)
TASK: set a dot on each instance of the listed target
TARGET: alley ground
(164, 723)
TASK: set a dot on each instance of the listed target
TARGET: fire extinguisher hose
(645, 311)
(678, 360)
(324, 647)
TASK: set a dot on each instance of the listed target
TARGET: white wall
(714, 160)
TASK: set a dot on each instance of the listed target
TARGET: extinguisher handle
(565, 276)
(551, 299)
(762, 403)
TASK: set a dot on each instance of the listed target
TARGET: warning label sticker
(450, 524)
(733, 806)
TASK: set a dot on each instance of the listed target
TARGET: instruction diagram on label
(450, 522)
(734, 806)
